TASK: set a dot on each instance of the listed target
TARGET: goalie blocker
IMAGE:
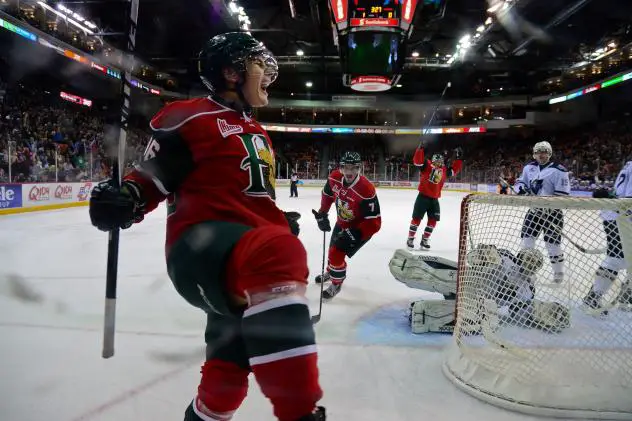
(506, 295)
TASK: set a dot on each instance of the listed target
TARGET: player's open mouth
(264, 88)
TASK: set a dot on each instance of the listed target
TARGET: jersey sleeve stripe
(161, 187)
(372, 216)
(560, 193)
(182, 123)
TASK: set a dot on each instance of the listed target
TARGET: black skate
(425, 244)
(317, 415)
(625, 297)
(320, 278)
(592, 305)
(331, 291)
(410, 243)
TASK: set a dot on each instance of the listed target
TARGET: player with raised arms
(358, 219)
(230, 250)
(543, 177)
(614, 261)
(504, 281)
(432, 176)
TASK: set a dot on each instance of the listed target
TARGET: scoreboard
(373, 13)
(371, 36)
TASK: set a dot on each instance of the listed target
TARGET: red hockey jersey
(356, 204)
(211, 163)
(431, 179)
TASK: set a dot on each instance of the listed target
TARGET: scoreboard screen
(375, 12)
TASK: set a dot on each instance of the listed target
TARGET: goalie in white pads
(499, 277)
(614, 261)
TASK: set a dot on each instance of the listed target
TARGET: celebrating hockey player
(502, 288)
(543, 177)
(230, 250)
(432, 175)
(358, 220)
(614, 261)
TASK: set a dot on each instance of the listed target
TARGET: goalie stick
(109, 319)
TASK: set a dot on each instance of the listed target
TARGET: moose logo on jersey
(436, 175)
(260, 165)
(344, 210)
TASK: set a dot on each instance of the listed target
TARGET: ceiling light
(489, 21)
(415, 54)
(399, 85)
(612, 44)
(465, 39)
(480, 28)
(300, 53)
(309, 84)
(495, 7)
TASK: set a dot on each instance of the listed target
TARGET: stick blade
(315, 319)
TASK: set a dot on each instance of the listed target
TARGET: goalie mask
(530, 261)
(235, 61)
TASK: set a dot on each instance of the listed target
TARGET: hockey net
(580, 367)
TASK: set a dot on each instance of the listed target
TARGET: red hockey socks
(223, 388)
(281, 344)
(432, 223)
(414, 224)
(337, 267)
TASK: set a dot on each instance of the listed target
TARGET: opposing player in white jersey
(615, 260)
(504, 285)
(543, 177)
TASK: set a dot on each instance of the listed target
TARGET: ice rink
(52, 282)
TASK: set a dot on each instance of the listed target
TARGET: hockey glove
(292, 220)
(522, 191)
(603, 193)
(322, 219)
(347, 240)
(112, 208)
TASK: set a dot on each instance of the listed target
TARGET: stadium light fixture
(415, 54)
(300, 53)
(66, 18)
(309, 84)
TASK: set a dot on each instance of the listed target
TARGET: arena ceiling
(533, 42)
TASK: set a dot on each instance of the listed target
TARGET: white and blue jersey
(550, 179)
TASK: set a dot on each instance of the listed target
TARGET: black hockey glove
(602, 193)
(522, 191)
(323, 221)
(292, 220)
(112, 208)
(347, 239)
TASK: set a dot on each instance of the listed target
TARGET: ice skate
(322, 278)
(425, 244)
(592, 305)
(317, 415)
(410, 243)
(332, 291)
(624, 300)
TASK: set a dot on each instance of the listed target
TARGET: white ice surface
(372, 367)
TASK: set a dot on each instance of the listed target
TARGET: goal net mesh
(526, 342)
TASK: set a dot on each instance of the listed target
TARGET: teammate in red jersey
(358, 218)
(432, 176)
(230, 250)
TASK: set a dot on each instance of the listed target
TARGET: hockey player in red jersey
(230, 250)
(432, 175)
(358, 218)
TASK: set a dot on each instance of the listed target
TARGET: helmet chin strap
(243, 106)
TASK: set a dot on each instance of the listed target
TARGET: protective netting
(543, 306)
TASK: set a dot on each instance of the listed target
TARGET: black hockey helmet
(232, 50)
(351, 158)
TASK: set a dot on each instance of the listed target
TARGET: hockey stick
(434, 112)
(316, 317)
(111, 278)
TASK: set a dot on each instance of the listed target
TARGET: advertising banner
(39, 194)
(10, 196)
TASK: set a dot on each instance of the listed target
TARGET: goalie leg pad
(432, 316)
(428, 273)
